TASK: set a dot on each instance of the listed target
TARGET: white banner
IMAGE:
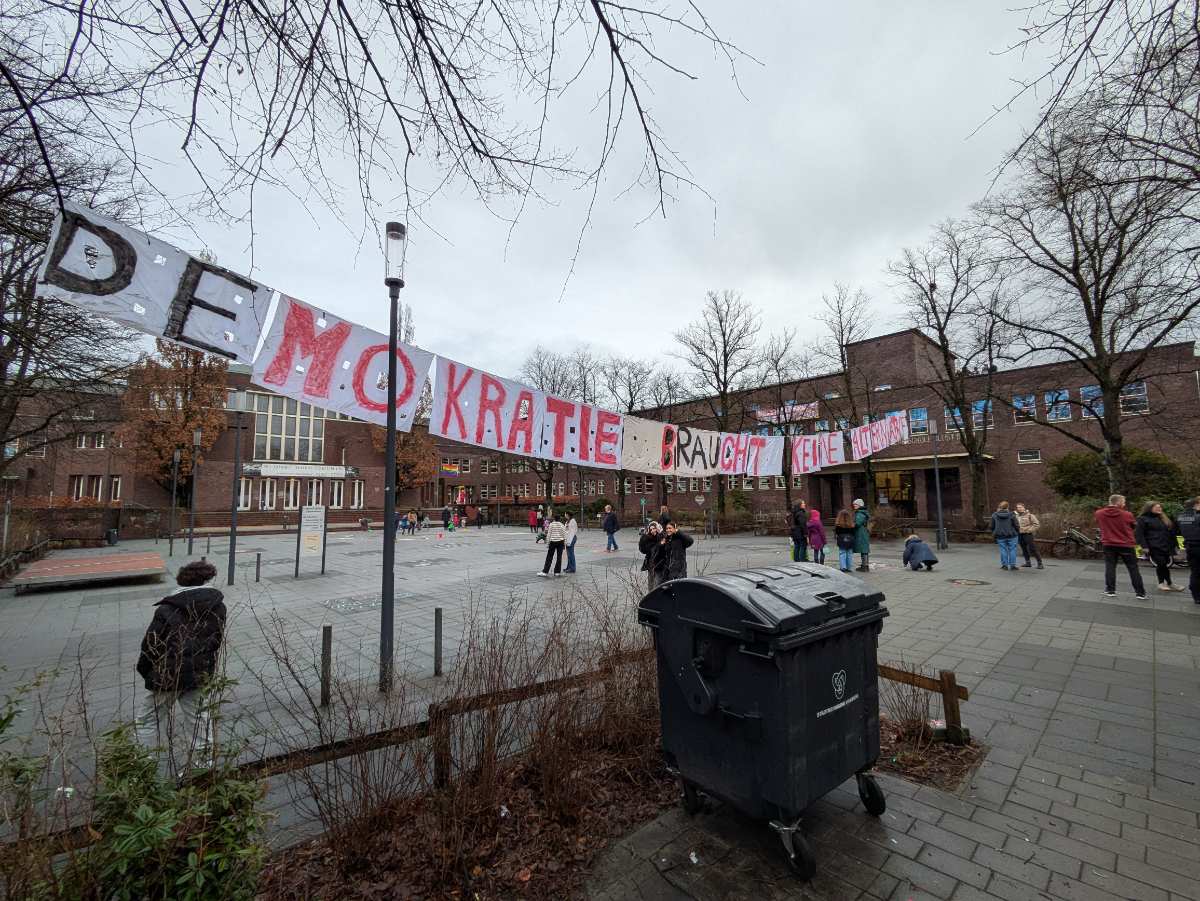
(834, 449)
(860, 442)
(697, 451)
(805, 450)
(125, 275)
(317, 358)
(580, 434)
(648, 446)
(477, 408)
(766, 456)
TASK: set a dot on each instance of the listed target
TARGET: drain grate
(968, 583)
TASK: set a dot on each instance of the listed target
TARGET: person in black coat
(1155, 532)
(798, 525)
(653, 561)
(917, 554)
(611, 526)
(673, 548)
(179, 654)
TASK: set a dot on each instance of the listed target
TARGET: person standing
(664, 516)
(556, 539)
(1116, 535)
(1005, 531)
(1188, 524)
(1156, 533)
(862, 534)
(1027, 526)
(816, 536)
(611, 526)
(799, 533)
(179, 654)
(673, 547)
(445, 517)
(541, 518)
(653, 562)
(572, 537)
(533, 519)
(412, 522)
(844, 534)
(917, 554)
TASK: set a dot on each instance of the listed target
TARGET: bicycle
(1075, 543)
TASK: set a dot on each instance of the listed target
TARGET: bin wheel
(871, 795)
(800, 855)
(692, 804)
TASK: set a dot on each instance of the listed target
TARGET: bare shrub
(909, 707)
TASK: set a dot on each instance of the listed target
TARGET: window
(830, 395)
(780, 482)
(600, 487)
(670, 484)
(464, 465)
(822, 425)
(114, 488)
(764, 483)
(312, 496)
(77, 485)
(796, 481)
(1024, 408)
(285, 429)
(627, 486)
(337, 493)
(953, 418)
(291, 494)
(574, 488)
(11, 448)
(81, 441)
(1029, 455)
(708, 484)
(694, 485)
(843, 423)
(883, 387)
(98, 440)
(562, 488)
(981, 414)
(1090, 402)
(95, 487)
(356, 494)
(266, 494)
(541, 489)
(245, 493)
(748, 483)
(1058, 405)
(1134, 399)
(918, 421)
(733, 483)
(36, 445)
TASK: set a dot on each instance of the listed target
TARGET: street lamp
(195, 486)
(174, 494)
(937, 487)
(238, 402)
(396, 237)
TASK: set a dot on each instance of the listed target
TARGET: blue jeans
(612, 541)
(846, 558)
(1008, 551)
(571, 555)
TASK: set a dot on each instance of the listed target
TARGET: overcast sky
(853, 137)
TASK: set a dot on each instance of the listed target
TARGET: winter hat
(858, 502)
(814, 515)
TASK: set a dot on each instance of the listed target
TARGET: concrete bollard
(437, 641)
(258, 566)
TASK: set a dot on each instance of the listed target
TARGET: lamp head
(395, 242)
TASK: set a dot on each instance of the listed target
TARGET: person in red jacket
(1116, 534)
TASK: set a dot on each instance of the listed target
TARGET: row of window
(290, 491)
(92, 488)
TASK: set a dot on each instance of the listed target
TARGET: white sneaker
(1163, 586)
(1110, 594)
(540, 573)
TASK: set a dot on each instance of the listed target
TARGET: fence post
(437, 641)
(439, 730)
(326, 662)
(258, 566)
(954, 729)
(208, 546)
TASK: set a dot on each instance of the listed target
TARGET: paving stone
(1189, 867)
(976, 832)
(1074, 890)
(1122, 886)
(920, 876)
(1042, 855)
(957, 867)
(1077, 849)
(1086, 817)
(1153, 875)
(942, 839)
(1012, 867)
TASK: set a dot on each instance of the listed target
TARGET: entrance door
(894, 489)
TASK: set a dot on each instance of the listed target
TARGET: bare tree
(666, 389)
(952, 289)
(782, 367)
(1107, 272)
(626, 383)
(554, 373)
(719, 350)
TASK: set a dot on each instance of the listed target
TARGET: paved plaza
(1088, 704)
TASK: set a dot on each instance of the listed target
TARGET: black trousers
(1193, 556)
(1162, 565)
(554, 549)
(1029, 546)
(1125, 554)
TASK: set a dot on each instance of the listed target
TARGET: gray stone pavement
(1089, 704)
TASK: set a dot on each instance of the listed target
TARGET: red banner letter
(452, 393)
(489, 403)
(522, 426)
(360, 374)
(299, 333)
(606, 435)
(561, 410)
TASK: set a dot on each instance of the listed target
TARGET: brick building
(294, 454)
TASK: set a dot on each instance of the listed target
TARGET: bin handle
(676, 647)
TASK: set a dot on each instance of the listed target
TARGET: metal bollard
(203, 558)
(437, 641)
(258, 566)
(208, 547)
(326, 662)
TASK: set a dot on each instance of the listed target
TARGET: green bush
(739, 500)
(1081, 475)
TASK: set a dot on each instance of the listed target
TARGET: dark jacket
(1004, 524)
(611, 522)
(917, 551)
(445, 516)
(1188, 524)
(180, 648)
(674, 554)
(1154, 534)
(1116, 526)
(664, 517)
(799, 525)
(655, 559)
(843, 537)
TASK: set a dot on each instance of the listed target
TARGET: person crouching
(917, 554)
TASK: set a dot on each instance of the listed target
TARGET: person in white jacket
(556, 539)
(572, 535)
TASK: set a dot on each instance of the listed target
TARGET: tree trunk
(721, 494)
(979, 504)
(1114, 464)
(787, 470)
(621, 491)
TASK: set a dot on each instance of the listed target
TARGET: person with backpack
(917, 554)
(653, 562)
(843, 536)
(673, 548)
(862, 534)
(556, 539)
(1005, 531)
(1027, 526)
(799, 532)
(1155, 531)
(611, 526)
(816, 536)
(1116, 536)
(178, 656)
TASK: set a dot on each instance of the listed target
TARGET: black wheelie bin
(768, 690)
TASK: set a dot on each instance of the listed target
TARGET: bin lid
(766, 601)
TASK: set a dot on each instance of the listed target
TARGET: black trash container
(768, 690)
(110, 536)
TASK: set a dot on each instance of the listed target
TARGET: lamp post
(238, 400)
(174, 494)
(937, 487)
(195, 485)
(396, 236)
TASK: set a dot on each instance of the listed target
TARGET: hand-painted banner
(879, 439)
(477, 408)
(125, 275)
(789, 412)
(805, 449)
(735, 448)
(580, 434)
(317, 358)
(834, 449)
(648, 446)
(697, 451)
(766, 456)
(897, 427)
(860, 442)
